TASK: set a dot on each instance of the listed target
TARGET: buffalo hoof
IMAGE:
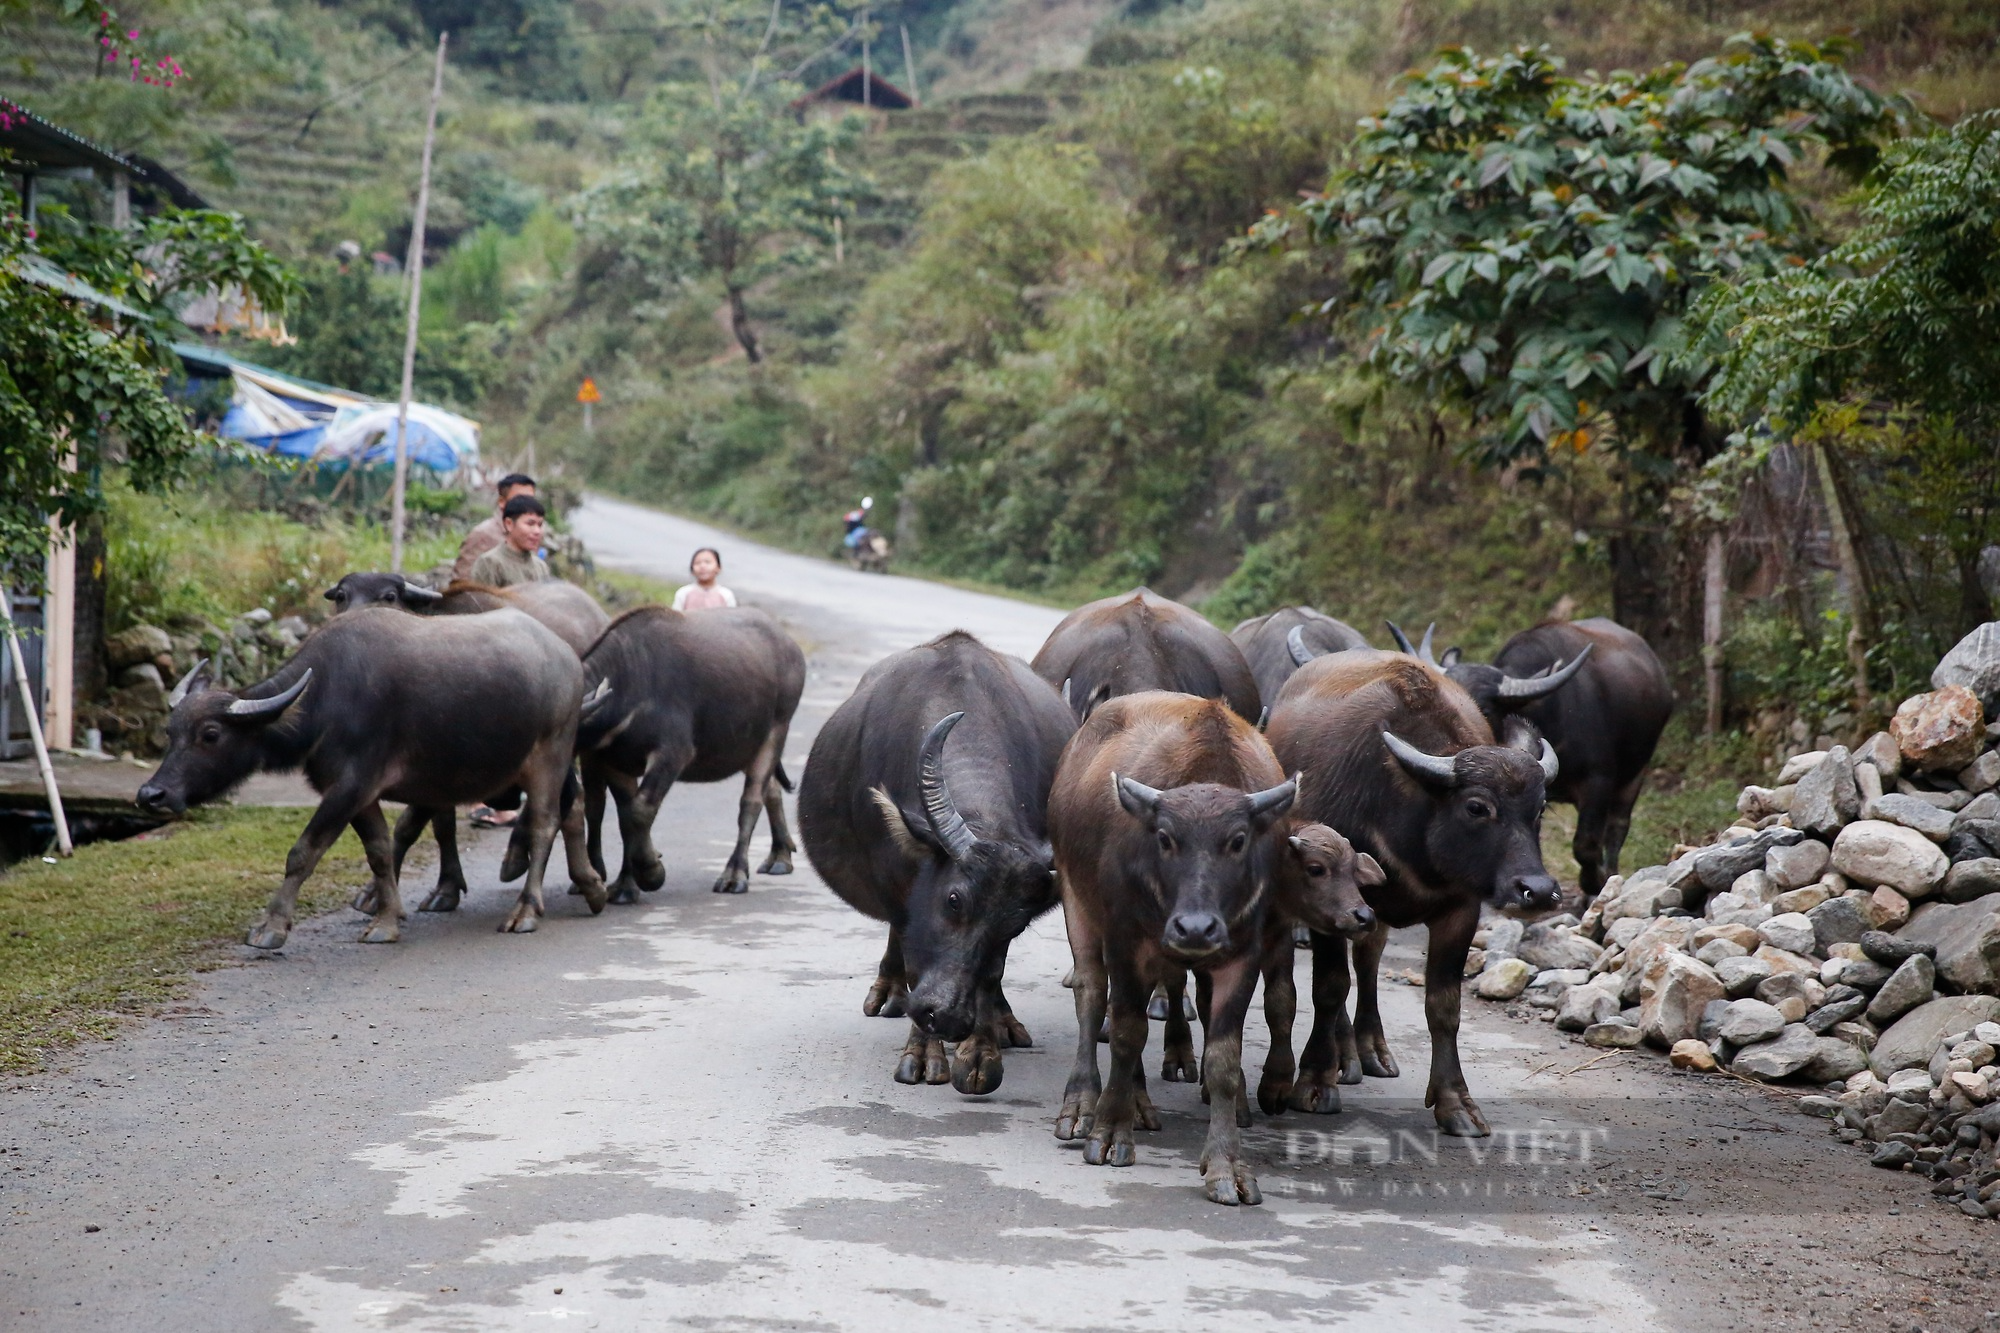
(1350, 1071)
(651, 874)
(1110, 1147)
(909, 1069)
(1007, 1031)
(776, 864)
(1104, 1029)
(937, 1063)
(1069, 979)
(1074, 1121)
(976, 1068)
(1274, 1094)
(269, 934)
(595, 895)
(364, 901)
(1378, 1064)
(1231, 1183)
(731, 881)
(624, 893)
(444, 898)
(1460, 1117)
(1179, 1065)
(515, 863)
(1156, 1008)
(885, 998)
(381, 931)
(522, 921)
(1314, 1098)
(1144, 1114)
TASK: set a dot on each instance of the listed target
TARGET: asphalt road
(675, 1115)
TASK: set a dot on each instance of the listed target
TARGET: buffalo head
(1483, 828)
(1325, 880)
(355, 591)
(972, 895)
(1212, 853)
(214, 741)
(1497, 693)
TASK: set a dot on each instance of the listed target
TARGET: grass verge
(121, 926)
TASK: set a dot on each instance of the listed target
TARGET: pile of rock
(1845, 932)
(146, 660)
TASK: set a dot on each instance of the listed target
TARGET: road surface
(675, 1115)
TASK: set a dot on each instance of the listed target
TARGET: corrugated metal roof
(38, 270)
(44, 143)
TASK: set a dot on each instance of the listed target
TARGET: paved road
(675, 1115)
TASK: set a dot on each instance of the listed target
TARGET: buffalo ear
(332, 594)
(906, 828)
(1368, 871)
(1518, 733)
(1450, 658)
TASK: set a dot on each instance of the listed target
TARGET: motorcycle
(866, 549)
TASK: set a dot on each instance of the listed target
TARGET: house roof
(43, 273)
(44, 144)
(848, 88)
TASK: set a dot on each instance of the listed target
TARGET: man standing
(523, 522)
(488, 534)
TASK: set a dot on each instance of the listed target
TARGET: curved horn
(416, 592)
(1296, 641)
(1438, 769)
(598, 694)
(1274, 800)
(1403, 644)
(1516, 689)
(1424, 648)
(1550, 765)
(274, 705)
(1264, 718)
(1137, 798)
(1065, 693)
(947, 825)
(181, 690)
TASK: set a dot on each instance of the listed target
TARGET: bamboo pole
(1711, 631)
(909, 66)
(31, 706)
(415, 271)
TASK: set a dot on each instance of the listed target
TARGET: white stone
(1798, 766)
(1747, 1022)
(1795, 1048)
(1503, 980)
(1872, 852)
(1675, 989)
(1739, 976)
(1791, 931)
(1796, 866)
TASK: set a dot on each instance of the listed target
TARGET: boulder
(1741, 976)
(1622, 932)
(1586, 1006)
(1972, 879)
(1831, 1015)
(1942, 731)
(1798, 766)
(1872, 852)
(1718, 867)
(1864, 974)
(1986, 805)
(1792, 932)
(1692, 1054)
(1763, 802)
(1867, 785)
(1826, 799)
(1795, 1048)
(1890, 908)
(1503, 938)
(1982, 774)
(1550, 949)
(1890, 950)
(1674, 991)
(1618, 1036)
(1745, 937)
(1856, 1032)
(1912, 812)
(1747, 1022)
(1783, 960)
(1836, 1060)
(1504, 980)
(1973, 664)
(1799, 900)
(1967, 936)
(1880, 751)
(1911, 1041)
(1715, 951)
(1753, 886)
(1662, 935)
(1840, 921)
(1798, 865)
(1728, 908)
(141, 643)
(1645, 894)
(1783, 986)
(1907, 987)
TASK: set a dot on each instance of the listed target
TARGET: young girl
(704, 594)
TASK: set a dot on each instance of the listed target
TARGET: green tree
(1524, 245)
(1903, 312)
(724, 181)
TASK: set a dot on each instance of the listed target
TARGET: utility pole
(867, 70)
(909, 66)
(415, 268)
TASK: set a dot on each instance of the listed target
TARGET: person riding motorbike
(856, 521)
(865, 547)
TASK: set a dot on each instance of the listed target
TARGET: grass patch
(118, 929)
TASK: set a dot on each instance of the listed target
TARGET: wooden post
(909, 65)
(32, 710)
(121, 199)
(1861, 629)
(59, 638)
(416, 277)
(867, 70)
(1711, 630)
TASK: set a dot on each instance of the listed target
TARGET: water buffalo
(945, 842)
(572, 614)
(692, 698)
(380, 705)
(1168, 820)
(1604, 727)
(1499, 693)
(1142, 641)
(1399, 759)
(1274, 651)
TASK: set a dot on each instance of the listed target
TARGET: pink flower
(132, 36)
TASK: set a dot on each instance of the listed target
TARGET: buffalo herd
(1199, 803)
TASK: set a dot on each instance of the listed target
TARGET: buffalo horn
(940, 812)
(274, 705)
(415, 592)
(1133, 794)
(1424, 648)
(1403, 643)
(1296, 641)
(1517, 689)
(181, 690)
(1550, 766)
(1264, 718)
(598, 694)
(1066, 703)
(1276, 799)
(1438, 769)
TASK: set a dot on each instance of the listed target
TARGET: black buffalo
(1278, 644)
(380, 705)
(1499, 693)
(1142, 641)
(689, 698)
(1399, 759)
(923, 806)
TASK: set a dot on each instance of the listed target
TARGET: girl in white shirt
(704, 594)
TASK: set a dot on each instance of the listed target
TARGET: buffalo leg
(735, 876)
(1007, 1029)
(1110, 1142)
(593, 811)
(584, 876)
(1444, 975)
(543, 777)
(1329, 1058)
(783, 850)
(1087, 990)
(1376, 1062)
(976, 1067)
(1281, 1007)
(386, 927)
(451, 873)
(1593, 808)
(923, 1059)
(1177, 1062)
(336, 809)
(1617, 824)
(1225, 1179)
(891, 991)
(643, 866)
